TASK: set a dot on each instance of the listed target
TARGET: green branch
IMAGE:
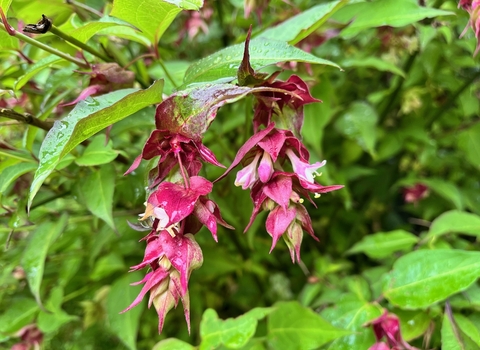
(47, 48)
(83, 46)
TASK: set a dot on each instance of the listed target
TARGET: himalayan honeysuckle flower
(277, 189)
(388, 326)
(174, 149)
(171, 203)
(171, 260)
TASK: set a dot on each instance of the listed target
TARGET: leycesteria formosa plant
(276, 171)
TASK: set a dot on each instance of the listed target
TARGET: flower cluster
(473, 9)
(276, 171)
(175, 211)
(388, 326)
(268, 157)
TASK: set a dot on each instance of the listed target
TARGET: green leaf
(468, 329)
(352, 313)
(152, 17)
(19, 313)
(107, 265)
(375, 63)
(469, 143)
(453, 336)
(455, 221)
(10, 174)
(97, 152)
(468, 299)
(126, 33)
(172, 344)
(263, 52)
(383, 244)
(450, 336)
(412, 323)
(55, 317)
(445, 189)
(292, 326)
(5, 5)
(34, 69)
(318, 115)
(359, 123)
(233, 332)
(86, 119)
(125, 326)
(85, 32)
(34, 255)
(97, 193)
(393, 13)
(302, 25)
(24, 156)
(8, 41)
(425, 277)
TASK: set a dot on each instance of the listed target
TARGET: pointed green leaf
(292, 326)
(392, 13)
(350, 312)
(382, 244)
(412, 323)
(455, 221)
(302, 25)
(12, 173)
(453, 336)
(85, 32)
(233, 332)
(445, 189)
(34, 69)
(34, 255)
(97, 191)
(469, 142)
(5, 5)
(97, 152)
(152, 17)
(107, 265)
(468, 299)
(468, 329)
(263, 52)
(86, 119)
(359, 124)
(19, 313)
(375, 63)
(8, 41)
(173, 344)
(125, 326)
(425, 277)
(55, 317)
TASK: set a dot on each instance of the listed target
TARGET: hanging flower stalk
(276, 171)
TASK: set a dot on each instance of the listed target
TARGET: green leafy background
(400, 94)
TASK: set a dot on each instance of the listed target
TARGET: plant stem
(49, 199)
(31, 120)
(70, 39)
(47, 48)
(436, 114)
(398, 88)
(167, 73)
(25, 118)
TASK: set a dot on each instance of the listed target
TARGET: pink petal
(279, 190)
(247, 146)
(265, 169)
(277, 223)
(91, 90)
(156, 277)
